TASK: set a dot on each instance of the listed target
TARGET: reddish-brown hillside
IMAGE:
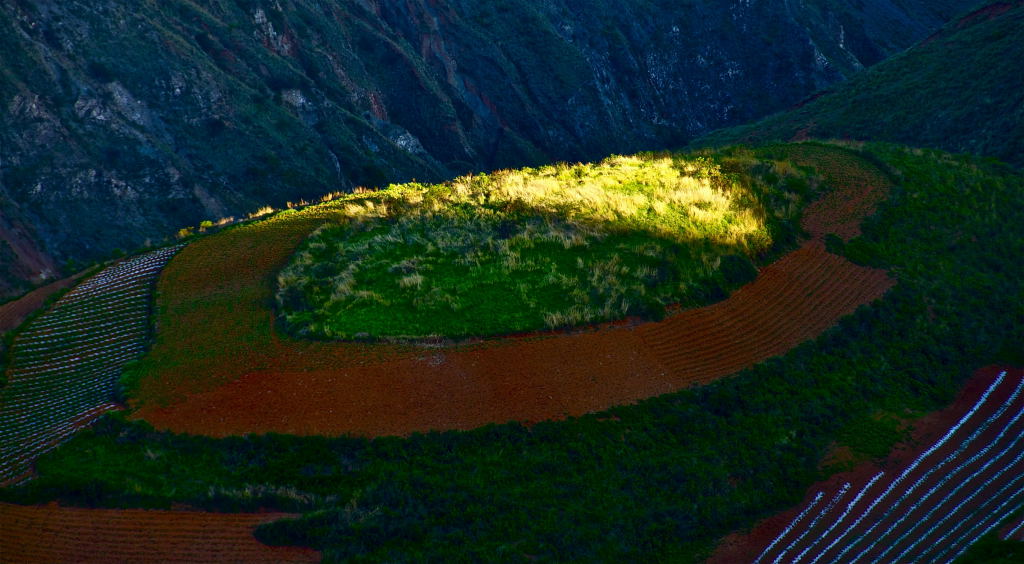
(219, 367)
(50, 533)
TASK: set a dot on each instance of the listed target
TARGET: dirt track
(340, 388)
(62, 534)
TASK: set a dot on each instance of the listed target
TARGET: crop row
(791, 301)
(948, 497)
(65, 366)
(136, 535)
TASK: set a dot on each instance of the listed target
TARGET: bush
(737, 270)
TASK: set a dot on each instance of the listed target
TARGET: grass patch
(543, 248)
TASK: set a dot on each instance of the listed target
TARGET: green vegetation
(873, 437)
(993, 550)
(958, 92)
(660, 480)
(542, 248)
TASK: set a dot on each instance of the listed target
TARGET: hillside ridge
(121, 123)
(959, 91)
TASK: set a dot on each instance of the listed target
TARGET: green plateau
(547, 248)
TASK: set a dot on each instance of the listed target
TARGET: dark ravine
(121, 122)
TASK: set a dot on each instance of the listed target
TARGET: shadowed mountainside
(121, 122)
(961, 90)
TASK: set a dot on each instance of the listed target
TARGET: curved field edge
(662, 479)
(216, 312)
(371, 389)
(530, 380)
(137, 535)
(214, 305)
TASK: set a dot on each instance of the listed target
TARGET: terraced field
(65, 365)
(63, 534)
(932, 507)
(13, 313)
(217, 325)
(792, 300)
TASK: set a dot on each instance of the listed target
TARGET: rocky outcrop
(121, 122)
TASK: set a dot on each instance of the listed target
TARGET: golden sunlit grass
(537, 248)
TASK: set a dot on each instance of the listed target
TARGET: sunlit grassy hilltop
(542, 248)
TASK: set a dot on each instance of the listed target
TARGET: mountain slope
(961, 90)
(656, 481)
(122, 122)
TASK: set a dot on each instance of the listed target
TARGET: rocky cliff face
(122, 121)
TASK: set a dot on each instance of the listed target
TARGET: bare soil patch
(531, 379)
(794, 299)
(52, 533)
(859, 188)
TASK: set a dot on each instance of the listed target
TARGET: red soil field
(532, 379)
(63, 534)
(748, 545)
(859, 188)
(247, 378)
(13, 313)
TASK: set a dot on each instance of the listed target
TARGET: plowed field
(960, 476)
(792, 300)
(63, 534)
(13, 313)
(65, 364)
(219, 366)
